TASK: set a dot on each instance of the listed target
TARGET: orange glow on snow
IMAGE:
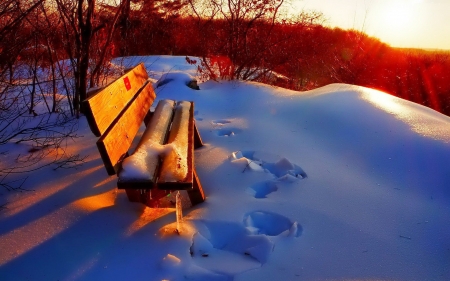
(186, 229)
(97, 202)
(148, 215)
(107, 180)
(47, 189)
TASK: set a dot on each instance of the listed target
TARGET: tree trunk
(124, 25)
(85, 28)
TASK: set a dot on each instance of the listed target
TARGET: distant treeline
(246, 39)
(308, 55)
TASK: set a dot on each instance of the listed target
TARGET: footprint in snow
(220, 122)
(262, 189)
(227, 132)
(271, 224)
(222, 130)
(196, 116)
(282, 170)
(228, 248)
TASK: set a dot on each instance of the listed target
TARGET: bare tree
(81, 23)
(247, 26)
(44, 134)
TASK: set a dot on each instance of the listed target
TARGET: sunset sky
(400, 23)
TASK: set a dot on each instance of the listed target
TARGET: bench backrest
(116, 112)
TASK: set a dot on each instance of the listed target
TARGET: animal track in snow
(271, 224)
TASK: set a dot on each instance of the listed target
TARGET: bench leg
(153, 197)
(196, 195)
(134, 195)
(149, 197)
(197, 139)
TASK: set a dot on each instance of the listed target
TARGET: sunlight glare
(414, 115)
(398, 21)
(397, 15)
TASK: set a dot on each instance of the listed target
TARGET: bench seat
(164, 156)
(163, 160)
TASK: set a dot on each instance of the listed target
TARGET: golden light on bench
(164, 158)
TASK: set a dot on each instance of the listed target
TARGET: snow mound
(421, 119)
(176, 78)
(371, 201)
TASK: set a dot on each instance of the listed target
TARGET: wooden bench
(164, 157)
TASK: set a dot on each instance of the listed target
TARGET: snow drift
(338, 183)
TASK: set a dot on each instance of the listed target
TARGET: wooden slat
(197, 138)
(157, 131)
(102, 108)
(115, 142)
(159, 124)
(196, 195)
(187, 182)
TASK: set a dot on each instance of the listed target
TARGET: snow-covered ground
(338, 183)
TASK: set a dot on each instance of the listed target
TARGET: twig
(10, 187)
(70, 162)
(248, 164)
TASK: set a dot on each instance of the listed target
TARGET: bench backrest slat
(102, 108)
(115, 142)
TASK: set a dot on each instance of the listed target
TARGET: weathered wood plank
(113, 145)
(177, 169)
(102, 108)
(196, 195)
(159, 124)
(132, 174)
(198, 142)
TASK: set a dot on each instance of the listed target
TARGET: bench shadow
(77, 227)
(90, 245)
(69, 188)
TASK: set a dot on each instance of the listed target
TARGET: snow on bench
(143, 163)
(175, 166)
(164, 157)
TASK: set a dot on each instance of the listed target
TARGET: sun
(397, 21)
(397, 15)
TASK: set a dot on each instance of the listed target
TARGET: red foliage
(308, 54)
